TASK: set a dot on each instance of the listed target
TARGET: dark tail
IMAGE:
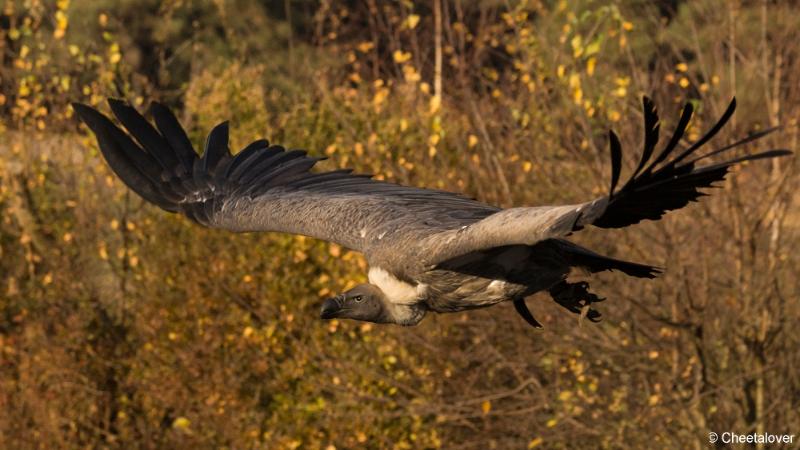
(667, 184)
(578, 256)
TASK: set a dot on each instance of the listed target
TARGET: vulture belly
(485, 278)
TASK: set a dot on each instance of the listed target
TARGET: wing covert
(267, 187)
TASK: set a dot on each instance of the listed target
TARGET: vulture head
(364, 302)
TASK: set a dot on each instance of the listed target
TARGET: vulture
(428, 250)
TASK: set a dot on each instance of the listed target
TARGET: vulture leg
(522, 310)
(576, 297)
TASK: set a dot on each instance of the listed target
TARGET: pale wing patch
(497, 286)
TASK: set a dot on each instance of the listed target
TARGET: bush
(123, 326)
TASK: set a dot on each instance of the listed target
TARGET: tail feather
(578, 256)
(665, 184)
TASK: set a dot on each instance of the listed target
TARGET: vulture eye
(358, 299)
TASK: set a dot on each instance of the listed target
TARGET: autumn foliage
(122, 326)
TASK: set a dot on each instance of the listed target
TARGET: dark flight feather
(651, 192)
(616, 160)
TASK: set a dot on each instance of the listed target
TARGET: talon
(522, 310)
(577, 299)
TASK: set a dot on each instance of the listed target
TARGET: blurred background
(122, 326)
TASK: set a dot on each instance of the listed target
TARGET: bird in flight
(428, 250)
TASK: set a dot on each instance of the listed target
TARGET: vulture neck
(403, 302)
(405, 315)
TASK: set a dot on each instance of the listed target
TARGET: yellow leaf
(574, 80)
(682, 67)
(486, 406)
(576, 45)
(592, 48)
(355, 78)
(410, 74)
(412, 21)
(435, 104)
(627, 26)
(552, 422)
(181, 423)
(577, 95)
(590, 63)
(401, 56)
(535, 442)
(684, 82)
(61, 20)
(472, 140)
(365, 46)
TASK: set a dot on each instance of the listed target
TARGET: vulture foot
(576, 298)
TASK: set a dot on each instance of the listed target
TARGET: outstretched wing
(267, 188)
(666, 183)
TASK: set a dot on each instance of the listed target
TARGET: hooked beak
(330, 308)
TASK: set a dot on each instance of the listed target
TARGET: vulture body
(428, 250)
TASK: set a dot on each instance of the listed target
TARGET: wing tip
(82, 110)
(615, 147)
